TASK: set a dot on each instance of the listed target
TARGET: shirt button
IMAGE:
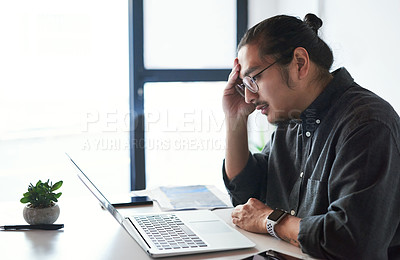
(292, 212)
(308, 134)
(317, 121)
(301, 174)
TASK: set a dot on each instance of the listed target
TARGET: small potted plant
(42, 207)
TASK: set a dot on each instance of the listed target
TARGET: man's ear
(301, 62)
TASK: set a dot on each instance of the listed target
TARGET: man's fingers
(240, 222)
(236, 210)
(236, 221)
(234, 73)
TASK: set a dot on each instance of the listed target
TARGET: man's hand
(233, 103)
(251, 216)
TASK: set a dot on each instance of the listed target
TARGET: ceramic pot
(36, 216)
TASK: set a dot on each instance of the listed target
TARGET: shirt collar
(313, 116)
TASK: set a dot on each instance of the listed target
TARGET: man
(328, 180)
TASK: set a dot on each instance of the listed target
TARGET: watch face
(276, 214)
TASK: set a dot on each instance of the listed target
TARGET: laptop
(173, 233)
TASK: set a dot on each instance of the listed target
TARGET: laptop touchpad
(210, 227)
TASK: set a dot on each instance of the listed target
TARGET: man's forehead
(248, 66)
(249, 59)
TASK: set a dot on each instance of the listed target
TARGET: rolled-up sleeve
(364, 197)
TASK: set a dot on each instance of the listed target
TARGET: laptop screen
(104, 202)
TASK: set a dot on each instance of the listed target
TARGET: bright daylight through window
(64, 87)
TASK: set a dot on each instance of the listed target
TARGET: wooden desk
(92, 233)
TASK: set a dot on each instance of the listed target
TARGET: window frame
(139, 76)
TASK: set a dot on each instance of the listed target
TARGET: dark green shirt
(337, 168)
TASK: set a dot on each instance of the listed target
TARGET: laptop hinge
(137, 230)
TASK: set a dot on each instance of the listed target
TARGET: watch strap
(272, 220)
(270, 229)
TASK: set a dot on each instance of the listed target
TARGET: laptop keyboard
(168, 232)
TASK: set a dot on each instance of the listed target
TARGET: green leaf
(57, 185)
(24, 200)
(42, 195)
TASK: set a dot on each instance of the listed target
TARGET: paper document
(190, 197)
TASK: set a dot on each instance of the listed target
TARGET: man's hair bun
(313, 21)
(278, 36)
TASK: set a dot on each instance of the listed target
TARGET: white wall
(262, 9)
(364, 37)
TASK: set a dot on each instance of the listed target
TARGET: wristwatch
(274, 218)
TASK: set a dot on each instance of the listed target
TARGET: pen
(28, 227)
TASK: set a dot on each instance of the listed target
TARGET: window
(181, 34)
(184, 133)
(181, 55)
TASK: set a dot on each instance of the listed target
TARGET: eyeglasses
(250, 82)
